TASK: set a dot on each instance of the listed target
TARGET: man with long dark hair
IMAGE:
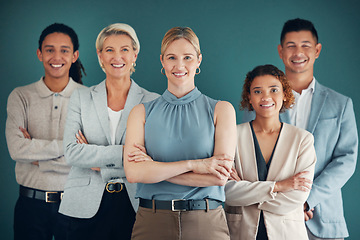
(35, 122)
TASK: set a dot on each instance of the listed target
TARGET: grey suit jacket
(332, 122)
(88, 112)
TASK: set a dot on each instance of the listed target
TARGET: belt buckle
(47, 197)
(173, 205)
(113, 183)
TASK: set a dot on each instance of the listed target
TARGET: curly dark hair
(264, 70)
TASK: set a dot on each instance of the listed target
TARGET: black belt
(49, 197)
(181, 204)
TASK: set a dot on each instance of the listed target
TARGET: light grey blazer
(332, 122)
(88, 112)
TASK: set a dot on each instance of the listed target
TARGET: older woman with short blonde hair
(98, 201)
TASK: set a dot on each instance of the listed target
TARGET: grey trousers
(189, 225)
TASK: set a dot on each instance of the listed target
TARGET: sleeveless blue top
(179, 129)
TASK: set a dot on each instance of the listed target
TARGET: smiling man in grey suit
(330, 117)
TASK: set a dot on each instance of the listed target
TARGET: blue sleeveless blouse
(179, 129)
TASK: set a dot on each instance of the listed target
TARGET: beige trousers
(189, 225)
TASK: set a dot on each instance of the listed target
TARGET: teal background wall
(235, 36)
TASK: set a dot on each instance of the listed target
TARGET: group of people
(115, 161)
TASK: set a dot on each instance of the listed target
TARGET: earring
(134, 64)
(162, 71)
(197, 73)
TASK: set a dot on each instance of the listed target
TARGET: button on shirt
(300, 112)
(43, 113)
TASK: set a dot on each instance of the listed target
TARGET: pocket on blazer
(326, 124)
(77, 182)
(329, 210)
(294, 225)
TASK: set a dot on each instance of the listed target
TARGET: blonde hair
(176, 33)
(117, 29)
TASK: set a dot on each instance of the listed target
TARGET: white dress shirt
(300, 112)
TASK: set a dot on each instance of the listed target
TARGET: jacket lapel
(100, 101)
(277, 161)
(249, 166)
(317, 105)
(134, 97)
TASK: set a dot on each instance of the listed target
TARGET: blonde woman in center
(179, 148)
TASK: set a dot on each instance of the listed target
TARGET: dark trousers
(114, 220)
(36, 219)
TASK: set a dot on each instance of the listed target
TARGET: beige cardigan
(42, 113)
(283, 212)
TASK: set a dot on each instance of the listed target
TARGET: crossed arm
(279, 197)
(24, 148)
(139, 167)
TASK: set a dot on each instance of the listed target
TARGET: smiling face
(117, 56)
(266, 96)
(299, 51)
(180, 62)
(57, 54)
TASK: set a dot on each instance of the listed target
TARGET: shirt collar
(191, 96)
(312, 85)
(44, 91)
(310, 88)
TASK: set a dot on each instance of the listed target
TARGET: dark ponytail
(76, 68)
(75, 71)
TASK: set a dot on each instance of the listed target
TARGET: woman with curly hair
(275, 162)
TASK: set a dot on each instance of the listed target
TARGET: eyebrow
(290, 42)
(120, 47)
(261, 87)
(63, 46)
(171, 54)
